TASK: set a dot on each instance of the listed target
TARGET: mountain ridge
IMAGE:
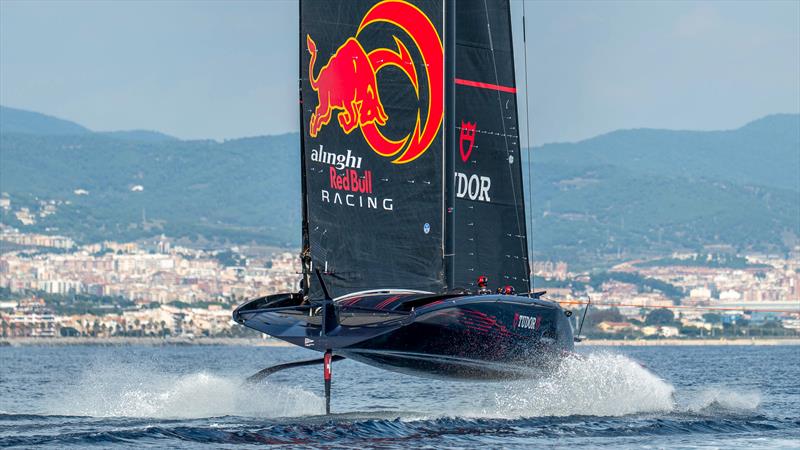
(14, 120)
(21, 121)
(631, 194)
(740, 154)
(791, 118)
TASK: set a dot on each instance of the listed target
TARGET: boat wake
(719, 401)
(598, 396)
(598, 384)
(606, 385)
(125, 391)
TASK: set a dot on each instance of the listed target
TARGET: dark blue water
(709, 397)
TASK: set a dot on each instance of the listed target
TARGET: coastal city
(52, 287)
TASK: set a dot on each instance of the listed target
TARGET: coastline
(688, 342)
(146, 341)
(269, 342)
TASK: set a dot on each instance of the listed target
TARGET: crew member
(303, 293)
(482, 288)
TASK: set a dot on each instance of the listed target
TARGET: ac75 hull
(454, 337)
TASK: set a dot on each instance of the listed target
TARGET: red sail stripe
(494, 87)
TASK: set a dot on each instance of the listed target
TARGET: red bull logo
(347, 85)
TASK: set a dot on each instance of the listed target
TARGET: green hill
(764, 152)
(239, 190)
(624, 194)
(19, 121)
(650, 192)
(589, 215)
(140, 135)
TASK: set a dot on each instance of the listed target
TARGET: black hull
(469, 337)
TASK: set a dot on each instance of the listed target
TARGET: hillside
(623, 194)
(19, 121)
(140, 135)
(764, 152)
(649, 192)
(594, 214)
(244, 189)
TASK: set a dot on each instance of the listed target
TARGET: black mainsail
(372, 86)
(371, 100)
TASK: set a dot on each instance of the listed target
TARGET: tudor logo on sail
(473, 187)
(347, 85)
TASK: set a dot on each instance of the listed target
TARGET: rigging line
(528, 146)
(523, 246)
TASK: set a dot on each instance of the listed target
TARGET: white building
(730, 295)
(700, 293)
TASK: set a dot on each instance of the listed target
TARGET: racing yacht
(414, 242)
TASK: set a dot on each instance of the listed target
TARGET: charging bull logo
(347, 85)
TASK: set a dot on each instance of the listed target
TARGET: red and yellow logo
(347, 85)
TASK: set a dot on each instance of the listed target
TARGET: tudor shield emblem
(466, 139)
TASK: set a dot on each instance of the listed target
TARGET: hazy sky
(222, 70)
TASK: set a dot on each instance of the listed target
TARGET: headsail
(371, 113)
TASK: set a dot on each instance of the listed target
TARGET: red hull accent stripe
(493, 87)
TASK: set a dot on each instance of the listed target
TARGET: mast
(449, 141)
(305, 250)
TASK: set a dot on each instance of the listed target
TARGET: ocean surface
(193, 396)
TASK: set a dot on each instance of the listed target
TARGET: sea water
(192, 396)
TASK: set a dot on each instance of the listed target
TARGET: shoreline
(145, 341)
(269, 342)
(687, 342)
